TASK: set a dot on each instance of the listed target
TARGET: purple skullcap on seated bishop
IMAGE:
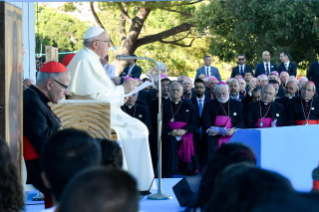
(282, 72)
(274, 72)
(127, 78)
(223, 83)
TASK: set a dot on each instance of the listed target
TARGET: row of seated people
(189, 140)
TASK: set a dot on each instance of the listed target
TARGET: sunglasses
(241, 58)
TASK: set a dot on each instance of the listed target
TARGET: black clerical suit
(252, 114)
(284, 102)
(39, 123)
(135, 72)
(141, 113)
(145, 96)
(298, 113)
(185, 112)
(213, 109)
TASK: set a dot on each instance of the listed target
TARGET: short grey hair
(89, 41)
(43, 77)
(268, 85)
(262, 76)
(175, 83)
(220, 86)
(187, 79)
(302, 78)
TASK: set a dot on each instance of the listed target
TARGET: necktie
(200, 107)
(241, 70)
(286, 66)
(267, 70)
(207, 72)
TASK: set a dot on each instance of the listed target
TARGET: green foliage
(58, 30)
(252, 26)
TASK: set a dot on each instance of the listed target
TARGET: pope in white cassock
(90, 81)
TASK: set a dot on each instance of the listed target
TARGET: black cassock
(284, 102)
(213, 109)
(276, 111)
(172, 164)
(298, 110)
(141, 113)
(39, 123)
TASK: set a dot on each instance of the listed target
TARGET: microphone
(125, 57)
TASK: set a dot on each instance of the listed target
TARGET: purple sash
(186, 149)
(223, 121)
(267, 122)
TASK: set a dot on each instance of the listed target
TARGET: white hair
(187, 79)
(302, 78)
(88, 42)
(175, 83)
(233, 80)
(292, 80)
(220, 86)
(262, 76)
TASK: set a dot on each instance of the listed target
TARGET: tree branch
(190, 3)
(163, 35)
(178, 44)
(175, 11)
(99, 23)
(124, 14)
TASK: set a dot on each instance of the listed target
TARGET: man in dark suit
(234, 89)
(207, 69)
(266, 66)
(286, 65)
(242, 68)
(133, 70)
(313, 74)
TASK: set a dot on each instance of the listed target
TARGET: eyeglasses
(104, 41)
(241, 58)
(62, 85)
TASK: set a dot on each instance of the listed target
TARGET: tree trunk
(128, 44)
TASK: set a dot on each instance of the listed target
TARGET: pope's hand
(230, 132)
(130, 85)
(211, 132)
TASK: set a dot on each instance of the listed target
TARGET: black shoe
(144, 193)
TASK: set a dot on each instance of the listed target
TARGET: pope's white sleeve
(114, 97)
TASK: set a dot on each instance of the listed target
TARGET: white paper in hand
(273, 124)
(139, 88)
(221, 130)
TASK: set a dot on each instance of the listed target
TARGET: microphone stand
(159, 195)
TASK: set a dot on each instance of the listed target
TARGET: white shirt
(242, 68)
(269, 67)
(207, 72)
(287, 65)
(203, 100)
(110, 70)
(49, 209)
(130, 70)
(236, 98)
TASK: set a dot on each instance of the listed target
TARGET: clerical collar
(130, 106)
(265, 103)
(40, 94)
(174, 102)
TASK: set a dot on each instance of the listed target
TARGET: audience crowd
(199, 117)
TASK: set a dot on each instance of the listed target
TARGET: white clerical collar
(174, 102)
(166, 97)
(130, 106)
(265, 103)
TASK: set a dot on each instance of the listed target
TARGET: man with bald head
(266, 66)
(284, 78)
(187, 87)
(304, 110)
(290, 92)
(265, 113)
(234, 89)
(221, 112)
(90, 81)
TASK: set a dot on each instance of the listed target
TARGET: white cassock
(90, 81)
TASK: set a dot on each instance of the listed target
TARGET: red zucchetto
(53, 67)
